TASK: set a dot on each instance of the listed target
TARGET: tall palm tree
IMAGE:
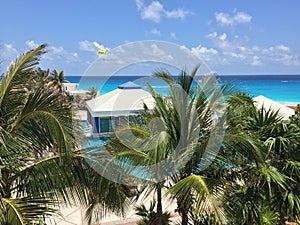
(146, 150)
(186, 122)
(35, 121)
(153, 146)
(198, 183)
(192, 187)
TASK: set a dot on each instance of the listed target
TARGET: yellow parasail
(102, 51)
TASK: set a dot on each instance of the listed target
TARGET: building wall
(107, 123)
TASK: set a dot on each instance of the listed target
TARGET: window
(105, 124)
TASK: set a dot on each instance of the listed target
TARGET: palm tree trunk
(184, 214)
(184, 217)
(184, 211)
(159, 206)
(6, 184)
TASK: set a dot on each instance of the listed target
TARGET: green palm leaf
(193, 191)
(24, 211)
(19, 70)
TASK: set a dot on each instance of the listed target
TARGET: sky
(231, 37)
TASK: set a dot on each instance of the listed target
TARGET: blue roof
(129, 85)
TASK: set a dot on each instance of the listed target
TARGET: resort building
(109, 111)
(73, 89)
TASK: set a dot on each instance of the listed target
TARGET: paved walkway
(75, 215)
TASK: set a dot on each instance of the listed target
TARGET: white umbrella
(283, 111)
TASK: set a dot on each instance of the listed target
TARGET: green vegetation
(57, 80)
(268, 174)
(40, 165)
(243, 170)
(254, 179)
(149, 216)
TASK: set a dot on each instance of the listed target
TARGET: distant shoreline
(281, 88)
(218, 75)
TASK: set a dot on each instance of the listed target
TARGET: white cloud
(241, 17)
(176, 14)
(90, 46)
(204, 50)
(8, 51)
(139, 4)
(59, 58)
(238, 51)
(279, 48)
(155, 32)
(212, 35)
(280, 54)
(54, 53)
(31, 44)
(208, 54)
(173, 35)
(256, 61)
(155, 11)
(223, 37)
(56, 57)
(152, 12)
(159, 52)
(219, 40)
(225, 19)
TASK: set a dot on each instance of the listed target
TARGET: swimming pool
(92, 141)
(96, 141)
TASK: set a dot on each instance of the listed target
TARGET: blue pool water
(97, 141)
(92, 141)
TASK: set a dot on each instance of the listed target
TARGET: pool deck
(80, 115)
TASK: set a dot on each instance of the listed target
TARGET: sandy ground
(80, 114)
(75, 215)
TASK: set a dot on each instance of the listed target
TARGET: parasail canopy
(102, 51)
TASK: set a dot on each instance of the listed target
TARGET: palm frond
(43, 107)
(193, 191)
(22, 66)
(58, 178)
(24, 211)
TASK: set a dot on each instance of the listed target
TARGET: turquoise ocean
(281, 88)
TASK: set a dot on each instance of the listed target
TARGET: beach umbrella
(283, 111)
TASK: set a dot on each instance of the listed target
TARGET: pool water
(92, 141)
(96, 141)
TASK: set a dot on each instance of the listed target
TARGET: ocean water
(281, 88)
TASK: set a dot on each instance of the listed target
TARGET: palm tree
(92, 93)
(193, 188)
(57, 80)
(269, 174)
(146, 150)
(185, 117)
(198, 186)
(149, 215)
(35, 121)
(40, 78)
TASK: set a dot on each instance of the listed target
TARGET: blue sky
(232, 37)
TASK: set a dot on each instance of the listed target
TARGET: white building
(73, 89)
(107, 112)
